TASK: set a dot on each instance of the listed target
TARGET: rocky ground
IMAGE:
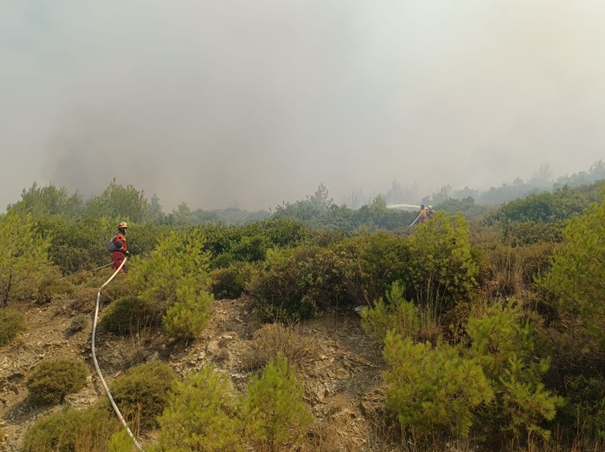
(342, 377)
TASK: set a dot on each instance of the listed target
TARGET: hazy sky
(257, 102)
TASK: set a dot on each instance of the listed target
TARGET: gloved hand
(127, 253)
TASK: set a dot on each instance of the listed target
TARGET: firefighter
(423, 214)
(120, 247)
(430, 212)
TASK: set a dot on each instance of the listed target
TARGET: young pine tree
(200, 415)
(273, 411)
(24, 258)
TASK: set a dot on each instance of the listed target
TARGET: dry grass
(276, 339)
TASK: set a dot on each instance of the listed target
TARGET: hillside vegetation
(490, 323)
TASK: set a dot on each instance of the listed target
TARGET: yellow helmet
(430, 207)
(123, 225)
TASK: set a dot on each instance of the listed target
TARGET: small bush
(12, 322)
(129, 314)
(121, 442)
(52, 380)
(200, 415)
(143, 392)
(396, 315)
(273, 411)
(299, 283)
(187, 318)
(432, 388)
(71, 431)
(53, 287)
(230, 282)
(276, 339)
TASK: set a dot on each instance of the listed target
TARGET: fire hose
(94, 358)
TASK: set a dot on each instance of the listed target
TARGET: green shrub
(275, 339)
(273, 411)
(230, 282)
(504, 344)
(12, 322)
(529, 233)
(440, 270)
(121, 442)
(70, 430)
(430, 389)
(373, 263)
(397, 315)
(24, 258)
(298, 283)
(576, 281)
(188, 317)
(143, 392)
(200, 414)
(52, 380)
(129, 314)
(177, 257)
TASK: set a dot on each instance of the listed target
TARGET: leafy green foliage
(373, 263)
(143, 392)
(129, 314)
(121, 202)
(178, 260)
(189, 316)
(547, 207)
(576, 277)
(199, 415)
(52, 380)
(273, 411)
(441, 270)
(298, 283)
(396, 315)
(230, 282)
(529, 232)
(433, 388)
(48, 201)
(70, 430)
(121, 442)
(12, 322)
(504, 345)
(24, 259)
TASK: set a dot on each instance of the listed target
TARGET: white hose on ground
(94, 358)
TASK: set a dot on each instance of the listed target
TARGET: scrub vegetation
(491, 320)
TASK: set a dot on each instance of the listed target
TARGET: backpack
(111, 246)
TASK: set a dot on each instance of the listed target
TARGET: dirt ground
(342, 378)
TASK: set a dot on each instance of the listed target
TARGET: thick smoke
(214, 102)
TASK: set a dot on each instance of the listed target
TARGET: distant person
(430, 213)
(422, 214)
(120, 247)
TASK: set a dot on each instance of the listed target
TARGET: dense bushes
(12, 322)
(129, 315)
(495, 373)
(70, 430)
(230, 282)
(52, 380)
(298, 283)
(143, 392)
